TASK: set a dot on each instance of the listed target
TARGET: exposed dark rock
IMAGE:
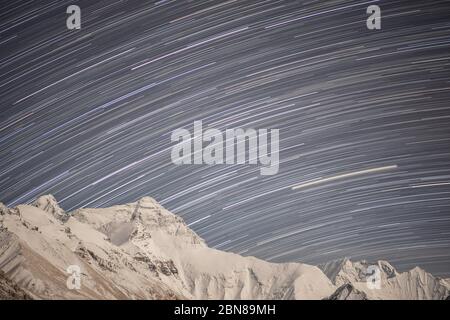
(10, 290)
(347, 292)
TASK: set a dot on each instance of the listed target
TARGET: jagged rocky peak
(149, 202)
(146, 205)
(139, 220)
(155, 217)
(334, 267)
(347, 292)
(344, 270)
(49, 204)
(412, 284)
(3, 209)
(150, 211)
(9, 290)
(387, 268)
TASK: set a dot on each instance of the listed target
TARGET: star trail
(364, 117)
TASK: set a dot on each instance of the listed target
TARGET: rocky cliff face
(9, 290)
(142, 251)
(347, 292)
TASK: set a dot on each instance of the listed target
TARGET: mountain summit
(49, 204)
(140, 250)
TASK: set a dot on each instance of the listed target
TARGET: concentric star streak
(363, 115)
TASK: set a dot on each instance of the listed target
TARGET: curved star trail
(364, 119)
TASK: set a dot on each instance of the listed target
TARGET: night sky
(364, 117)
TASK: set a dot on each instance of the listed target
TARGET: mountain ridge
(140, 250)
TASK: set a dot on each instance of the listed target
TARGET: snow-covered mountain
(415, 284)
(142, 251)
